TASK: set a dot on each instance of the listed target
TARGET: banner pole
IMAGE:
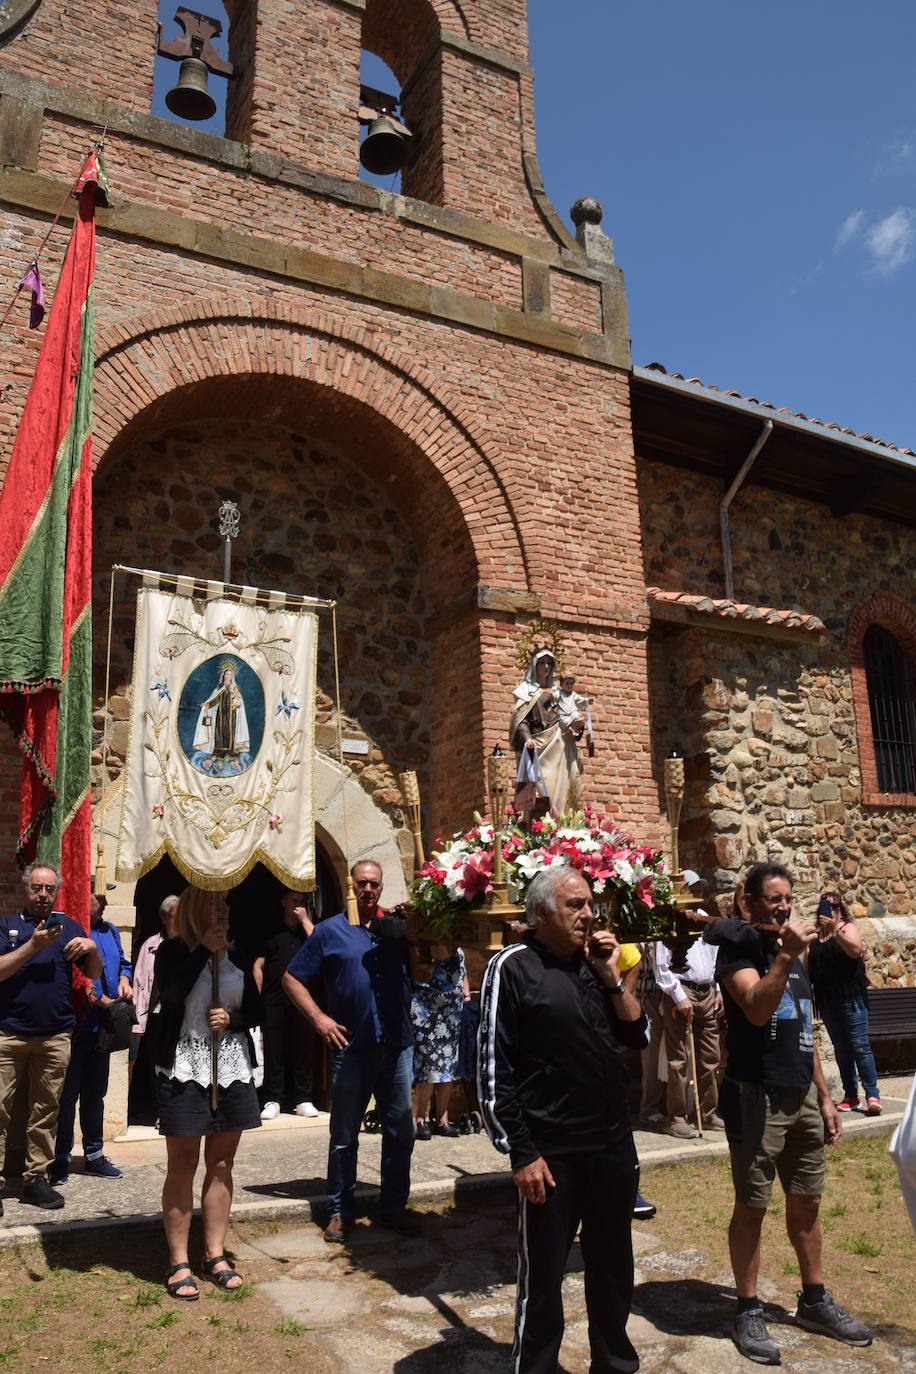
(352, 912)
(214, 1002)
(101, 872)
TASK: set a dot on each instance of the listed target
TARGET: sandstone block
(825, 791)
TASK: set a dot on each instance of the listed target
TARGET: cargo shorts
(772, 1133)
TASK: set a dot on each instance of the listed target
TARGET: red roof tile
(737, 610)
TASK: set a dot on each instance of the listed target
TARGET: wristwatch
(618, 989)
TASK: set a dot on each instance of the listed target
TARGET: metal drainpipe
(726, 502)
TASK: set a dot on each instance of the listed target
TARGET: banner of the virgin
(220, 760)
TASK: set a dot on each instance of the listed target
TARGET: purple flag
(32, 280)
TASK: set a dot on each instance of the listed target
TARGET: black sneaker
(424, 1131)
(39, 1193)
(448, 1129)
(827, 1318)
(752, 1338)
(643, 1209)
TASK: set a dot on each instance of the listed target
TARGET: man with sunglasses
(366, 974)
(39, 950)
(777, 1109)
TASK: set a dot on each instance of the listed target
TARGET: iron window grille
(891, 680)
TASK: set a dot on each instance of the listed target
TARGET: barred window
(891, 680)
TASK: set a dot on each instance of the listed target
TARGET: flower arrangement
(633, 879)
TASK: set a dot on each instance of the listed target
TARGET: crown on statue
(227, 665)
(539, 636)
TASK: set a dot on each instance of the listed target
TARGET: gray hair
(166, 905)
(541, 897)
(30, 869)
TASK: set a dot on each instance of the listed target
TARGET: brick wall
(412, 358)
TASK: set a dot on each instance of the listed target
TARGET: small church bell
(189, 97)
(384, 149)
(194, 49)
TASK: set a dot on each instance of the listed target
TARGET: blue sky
(757, 167)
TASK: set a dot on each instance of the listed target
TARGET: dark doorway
(254, 913)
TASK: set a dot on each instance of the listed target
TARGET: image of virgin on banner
(220, 760)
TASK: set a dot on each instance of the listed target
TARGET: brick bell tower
(451, 360)
(466, 93)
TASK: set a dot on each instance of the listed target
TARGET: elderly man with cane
(552, 1086)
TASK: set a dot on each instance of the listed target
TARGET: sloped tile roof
(780, 410)
(723, 609)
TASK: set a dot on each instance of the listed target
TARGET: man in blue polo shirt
(86, 1082)
(39, 949)
(367, 1030)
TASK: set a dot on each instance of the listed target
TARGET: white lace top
(192, 1053)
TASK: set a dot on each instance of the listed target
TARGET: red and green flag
(46, 573)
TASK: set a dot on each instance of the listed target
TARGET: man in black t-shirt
(288, 1038)
(777, 1109)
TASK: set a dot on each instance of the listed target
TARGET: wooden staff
(214, 1004)
(692, 1051)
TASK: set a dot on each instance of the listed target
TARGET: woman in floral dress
(435, 1014)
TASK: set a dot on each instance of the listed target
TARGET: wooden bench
(891, 1013)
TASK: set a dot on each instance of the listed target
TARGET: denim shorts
(773, 1133)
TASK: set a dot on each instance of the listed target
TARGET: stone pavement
(386, 1305)
(280, 1172)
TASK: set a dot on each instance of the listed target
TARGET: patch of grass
(245, 1290)
(290, 1327)
(8, 1355)
(790, 1266)
(861, 1245)
(836, 1209)
(163, 1320)
(147, 1295)
(214, 1320)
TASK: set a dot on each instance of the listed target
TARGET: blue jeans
(356, 1075)
(847, 1026)
(86, 1083)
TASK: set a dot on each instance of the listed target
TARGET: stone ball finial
(587, 210)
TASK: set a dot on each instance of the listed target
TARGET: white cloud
(891, 241)
(848, 229)
(898, 159)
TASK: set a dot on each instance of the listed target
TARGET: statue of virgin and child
(548, 721)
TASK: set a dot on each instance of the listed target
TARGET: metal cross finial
(229, 520)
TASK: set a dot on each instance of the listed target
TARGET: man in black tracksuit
(552, 1084)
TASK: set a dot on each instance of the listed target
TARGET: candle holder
(499, 910)
(682, 899)
(410, 791)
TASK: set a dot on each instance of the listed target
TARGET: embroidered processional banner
(220, 760)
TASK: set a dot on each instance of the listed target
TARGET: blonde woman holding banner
(188, 1021)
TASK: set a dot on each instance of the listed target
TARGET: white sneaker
(270, 1110)
(306, 1109)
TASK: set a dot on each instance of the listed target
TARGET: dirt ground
(95, 1300)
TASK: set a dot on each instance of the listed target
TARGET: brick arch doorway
(395, 687)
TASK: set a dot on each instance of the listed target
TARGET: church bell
(190, 98)
(384, 149)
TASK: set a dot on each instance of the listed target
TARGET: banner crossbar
(203, 588)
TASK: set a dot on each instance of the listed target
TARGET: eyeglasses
(37, 888)
(777, 901)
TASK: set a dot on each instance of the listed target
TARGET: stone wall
(310, 524)
(766, 723)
